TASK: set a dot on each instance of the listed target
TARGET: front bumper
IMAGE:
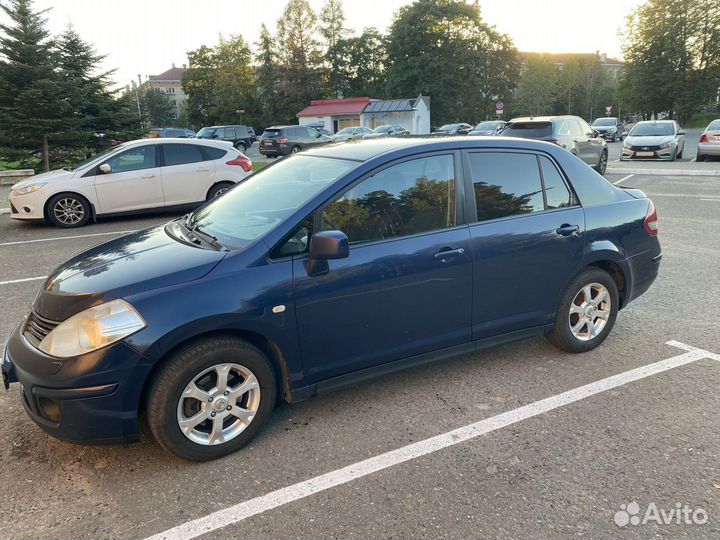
(30, 206)
(91, 399)
(662, 154)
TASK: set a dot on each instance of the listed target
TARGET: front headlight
(627, 145)
(92, 329)
(29, 189)
(665, 145)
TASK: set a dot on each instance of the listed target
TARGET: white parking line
(712, 200)
(16, 243)
(239, 512)
(4, 211)
(22, 280)
(623, 179)
(693, 160)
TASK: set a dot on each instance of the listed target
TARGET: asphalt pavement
(536, 463)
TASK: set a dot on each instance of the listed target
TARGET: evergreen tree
(266, 77)
(32, 101)
(332, 28)
(300, 60)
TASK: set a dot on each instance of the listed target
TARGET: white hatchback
(132, 177)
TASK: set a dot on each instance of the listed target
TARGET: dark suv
(571, 132)
(242, 137)
(283, 140)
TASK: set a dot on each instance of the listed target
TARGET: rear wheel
(587, 312)
(241, 147)
(218, 189)
(700, 157)
(68, 210)
(211, 398)
(602, 165)
(295, 149)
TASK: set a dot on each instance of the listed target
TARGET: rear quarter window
(212, 153)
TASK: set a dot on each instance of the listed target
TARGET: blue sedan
(325, 269)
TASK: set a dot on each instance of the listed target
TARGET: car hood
(649, 141)
(139, 262)
(51, 176)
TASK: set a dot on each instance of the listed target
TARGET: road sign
(608, 109)
(499, 105)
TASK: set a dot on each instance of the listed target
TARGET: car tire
(218, 189)
(68, 210)
(700, 158)
(169, 401)
(241, 147)
(568, 333)
(295, 149)
(602, 166)
(680, 154)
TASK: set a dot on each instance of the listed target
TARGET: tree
(442, 48)
(673, 56)
(220, 84)
(359, 65)
(299, 61)
(32, 102)
(156, 107)
(538, 86)
(266, 77)
(332, 28)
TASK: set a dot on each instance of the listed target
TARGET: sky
(147, 36)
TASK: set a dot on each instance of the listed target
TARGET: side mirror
(682, 132)
(594, 134)
(105, 168)
(326, 245)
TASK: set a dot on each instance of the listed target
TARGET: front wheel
(602, 165)
(68, 210)
(211, 398)
(587, 312)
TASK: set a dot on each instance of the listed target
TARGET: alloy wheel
(603, 163)
(218, 404)
(69, 211)
(589, 312)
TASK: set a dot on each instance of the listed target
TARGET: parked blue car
(325, 269)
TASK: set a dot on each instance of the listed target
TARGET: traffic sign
(499, 105)
(608, 109)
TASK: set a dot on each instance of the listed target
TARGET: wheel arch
(215, 184)
(266, 345)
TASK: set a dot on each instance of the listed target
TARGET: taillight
(282, 140)
(556, 142)
(704, 138)
(242, 161)
(651, 220)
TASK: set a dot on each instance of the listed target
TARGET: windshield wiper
(197, 231)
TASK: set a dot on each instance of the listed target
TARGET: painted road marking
(4, 211)
(623, 179)
(16, 243)
(22, 280)
(712, 200)
(258, 505)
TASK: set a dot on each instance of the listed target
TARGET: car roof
(365, 150)
(655, 122)
(180, 140)
(526, 119)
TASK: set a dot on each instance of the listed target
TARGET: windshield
(605, 122)
(206, 133)
(653, 130)
(345, 131)
(448, 127)
(94, 159)
(714, 125)
(382, 129)
(486, 126)
(263, 201)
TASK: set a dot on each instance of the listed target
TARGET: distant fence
(8, 178)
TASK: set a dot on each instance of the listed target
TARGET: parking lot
(520, 441)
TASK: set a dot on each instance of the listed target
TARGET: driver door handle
(568, 230)
(148, 176)
(447, 254)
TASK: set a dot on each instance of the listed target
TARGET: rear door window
(529, 130)
(505, 184)
(557, 195)
(182, 154)
(229, 133)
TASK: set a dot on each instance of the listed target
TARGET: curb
(663, 172)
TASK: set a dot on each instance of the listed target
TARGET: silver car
(654, 139)
(351, 133)
(709, 141)
(491, 127)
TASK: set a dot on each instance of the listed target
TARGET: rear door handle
(447, 254)
(202, 169)
(568, 230)
(148, 176)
